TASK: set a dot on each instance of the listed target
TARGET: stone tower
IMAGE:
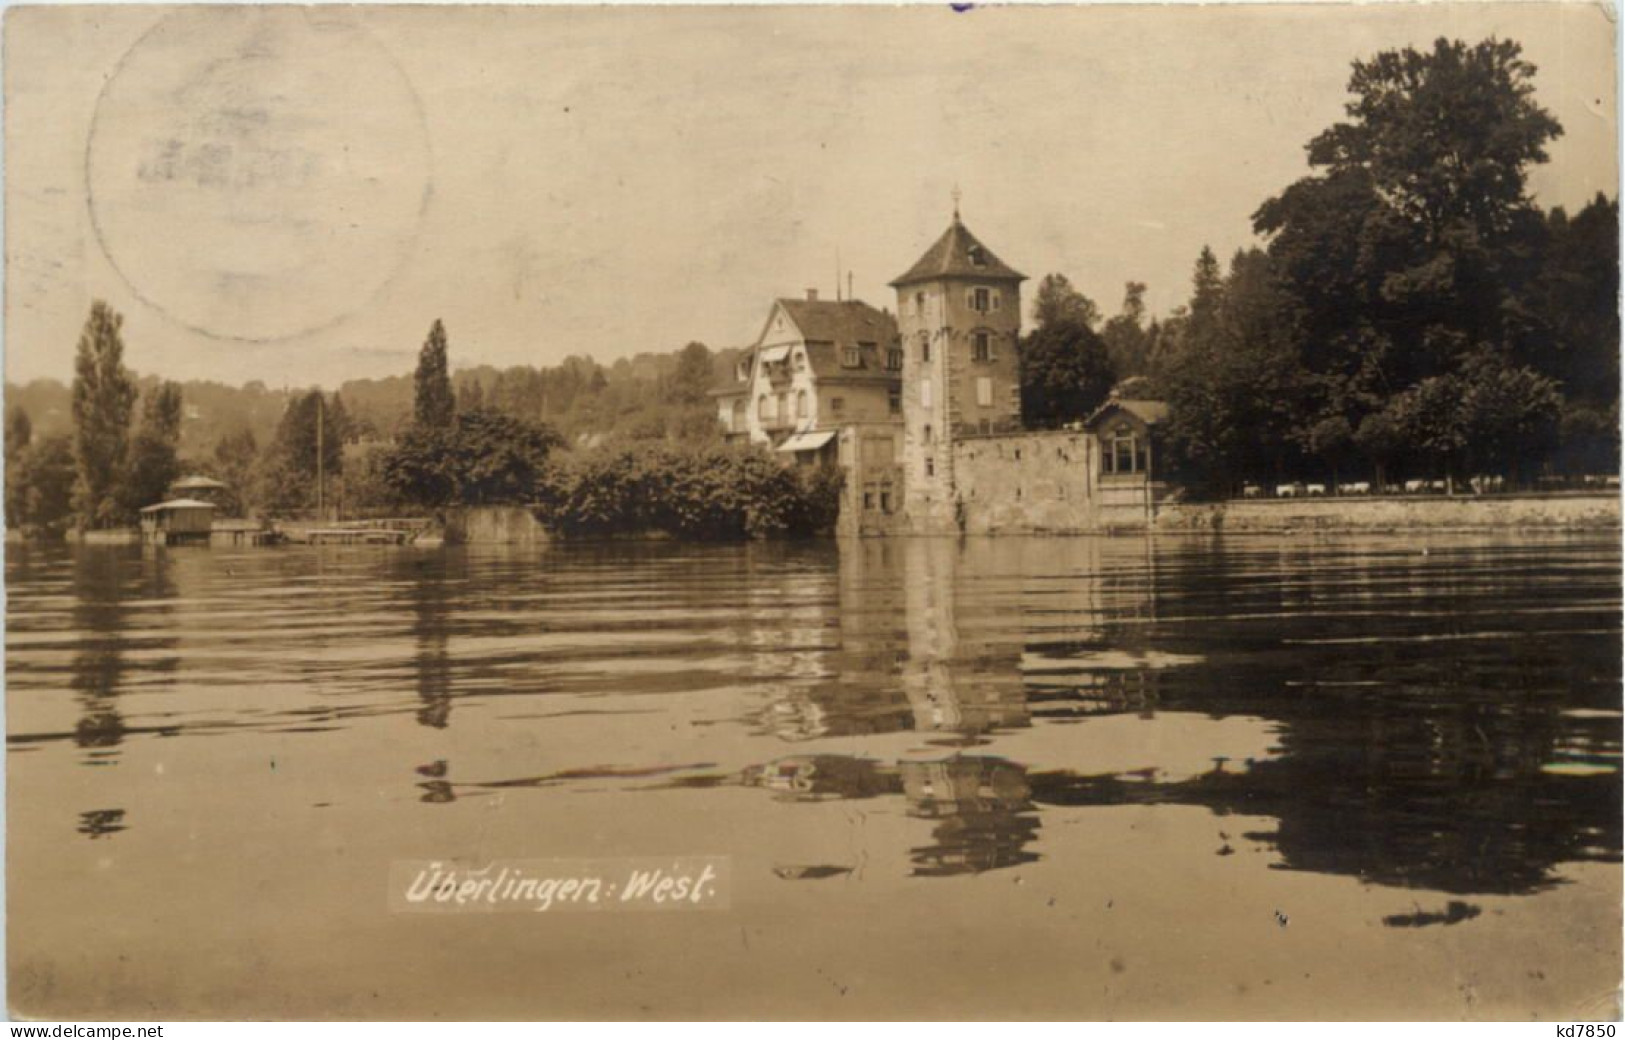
(959, 316)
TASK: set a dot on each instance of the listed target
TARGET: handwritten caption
(560, 885)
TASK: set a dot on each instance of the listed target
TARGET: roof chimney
(812, 295)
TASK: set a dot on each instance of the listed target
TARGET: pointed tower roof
(958, 254)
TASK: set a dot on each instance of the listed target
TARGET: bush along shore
(712, 493)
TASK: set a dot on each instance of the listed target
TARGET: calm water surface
(1351, 777)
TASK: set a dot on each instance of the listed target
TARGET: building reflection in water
(979, 806)
(1475, 766)
(914, 654)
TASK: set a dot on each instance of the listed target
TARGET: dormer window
(978, 256)
(851, 357)
(894, 359)
(743, 371)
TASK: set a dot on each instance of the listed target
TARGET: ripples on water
(1442, 719)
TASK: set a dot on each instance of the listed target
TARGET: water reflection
(1446, 722)
(427, 579)
(979, 806)
(1450, 725)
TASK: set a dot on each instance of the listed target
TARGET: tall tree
(1232, 380)
(1057, 301)
(433, 404)
(1065, 373)
(289, 468)
(1413, 247)
(693, 376)
(103, 396)
(233, 462)
(154, 463)
(1127, 341)
(19, 435)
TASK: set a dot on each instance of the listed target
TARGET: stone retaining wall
(1394, 513)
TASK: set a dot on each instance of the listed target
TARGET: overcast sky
(293, 198)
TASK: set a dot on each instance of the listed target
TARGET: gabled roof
(1148, 411)
(840, 321)
(826, 328)
(958, 254)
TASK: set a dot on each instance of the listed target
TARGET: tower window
(925, 349)
(981, 347)
(925, 393)
(930, 467)
(984, 392)
(981, 300)
(919, 305)
(925, 433)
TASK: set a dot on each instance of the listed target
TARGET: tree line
(472, 443)
(1412, 311)
(92, 454)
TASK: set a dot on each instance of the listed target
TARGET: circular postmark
(257, 173)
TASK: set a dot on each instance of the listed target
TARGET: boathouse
(179, 521)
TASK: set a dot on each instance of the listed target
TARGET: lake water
(1104, 778)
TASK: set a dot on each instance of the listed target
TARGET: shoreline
(1550, 511)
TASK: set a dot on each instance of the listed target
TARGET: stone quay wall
(1396, 513)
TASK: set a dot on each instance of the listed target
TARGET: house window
(764, 408)
(996, 295)
(894, 359)
(894, 402)
(925, 393)
(738, 423)
(885, 498)
(801, 404)
(743, 371)
(919, 304)
(868, 499)
(984, 392)
(930, 467)
(800, 361)
(851, 357)
(981, 347)
(981, 300)
(784, 406)
(1124, 453)
(837, 405)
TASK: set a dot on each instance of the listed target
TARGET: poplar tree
(103, 396)
(433, 403)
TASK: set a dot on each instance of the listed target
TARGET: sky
(295, 195)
